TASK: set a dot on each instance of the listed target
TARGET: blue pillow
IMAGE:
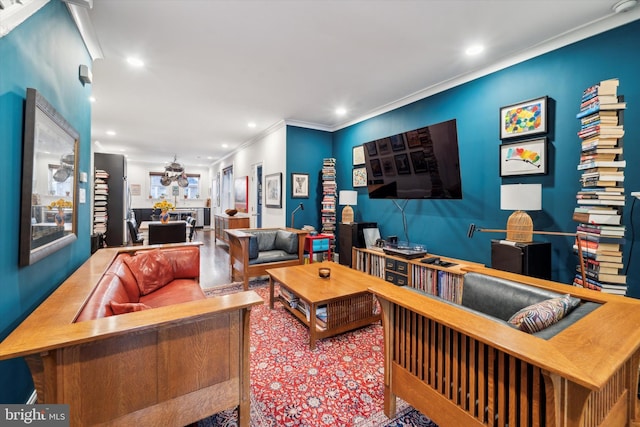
(253, 247)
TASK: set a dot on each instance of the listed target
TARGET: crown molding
(13, 13)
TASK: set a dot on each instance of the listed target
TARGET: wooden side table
(318, 243)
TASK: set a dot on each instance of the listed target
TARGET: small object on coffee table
(324, 272)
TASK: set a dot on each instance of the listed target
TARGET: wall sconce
(520, 198)
(347, 198)
(85, 75)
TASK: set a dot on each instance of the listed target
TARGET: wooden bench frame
(239, 266)
(170, 366)
(463, 369)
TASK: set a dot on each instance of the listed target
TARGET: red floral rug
(340, 383)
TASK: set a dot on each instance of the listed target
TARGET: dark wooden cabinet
(224, 221)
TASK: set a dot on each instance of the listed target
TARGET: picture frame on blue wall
(527, 157)
(299, 185)
(358, 155)
(525, 118)
(359, 177)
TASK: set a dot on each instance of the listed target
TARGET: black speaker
(351, 234)
(530, 259)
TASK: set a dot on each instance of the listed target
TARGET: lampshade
(521, 198)
(346, 198)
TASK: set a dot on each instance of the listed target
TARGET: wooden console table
(344, 295)
(224, 221)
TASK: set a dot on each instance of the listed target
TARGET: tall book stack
(100, 193)
(601, 199)
(329, 191)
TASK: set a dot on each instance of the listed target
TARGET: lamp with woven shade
(520, 198)
(347, 198)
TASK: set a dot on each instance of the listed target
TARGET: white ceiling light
(341, 111)
(135, 62)
(111, 132)
(251, 124)
(92, 99)
(624, 5)
(474, 49)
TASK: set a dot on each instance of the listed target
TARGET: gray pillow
(287, 241)
(253, 247)
(266, 240)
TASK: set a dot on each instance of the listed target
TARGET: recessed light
(111, 132)
(474, 50)
(341, 111)
(135, 62)
(92, 99)
(225, 145)
(251, 124)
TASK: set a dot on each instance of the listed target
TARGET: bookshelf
(600, 200)
(100, 194)
(444, 282)
(329, 192)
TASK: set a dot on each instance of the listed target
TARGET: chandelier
(174, 171)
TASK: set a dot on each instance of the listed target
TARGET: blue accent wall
(44, 52)
(562, 75)
(305, 150)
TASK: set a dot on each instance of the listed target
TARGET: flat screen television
(418, 164)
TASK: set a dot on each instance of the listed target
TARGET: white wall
(270, 150)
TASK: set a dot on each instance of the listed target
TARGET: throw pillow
(127, 307)
(543, 314)
(253, 247)
(266, 240)
(287, 241)
(151, 269)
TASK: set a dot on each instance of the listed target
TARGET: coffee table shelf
(348, 303)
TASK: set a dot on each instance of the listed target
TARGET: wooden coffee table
(348, 303)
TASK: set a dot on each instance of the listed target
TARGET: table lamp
(520, 198)
(347, 198)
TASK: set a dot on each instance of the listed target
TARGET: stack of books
(329, 191)
(101, 193)
(601, 198)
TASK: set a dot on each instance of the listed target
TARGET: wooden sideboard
(224, 221)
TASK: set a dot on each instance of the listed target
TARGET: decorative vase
(164, 217)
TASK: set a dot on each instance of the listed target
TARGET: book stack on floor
(601, 198)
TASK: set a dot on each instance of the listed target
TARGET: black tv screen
(418, 164)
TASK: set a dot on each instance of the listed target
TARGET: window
(156, 189)
(159, 191)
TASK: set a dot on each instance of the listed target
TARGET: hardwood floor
(214, 260)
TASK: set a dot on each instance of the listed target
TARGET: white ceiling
(212, 66)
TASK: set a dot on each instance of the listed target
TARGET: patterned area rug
(340, 383)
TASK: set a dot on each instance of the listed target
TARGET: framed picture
(241, 186)
(525, 118)
(387, 167)
(360, 177)
(358, 155)
(300, 185)
(524, 158)
(402, 164)
(413, 139)
(273, 194)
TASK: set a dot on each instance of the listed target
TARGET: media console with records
(405, 251)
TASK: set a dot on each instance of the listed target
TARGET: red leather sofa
(145, 279)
